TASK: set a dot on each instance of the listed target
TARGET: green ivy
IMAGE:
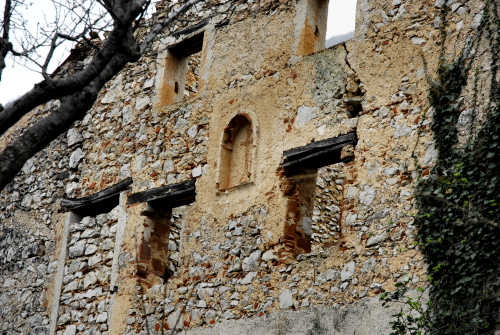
(458, 207)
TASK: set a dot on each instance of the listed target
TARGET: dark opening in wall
(300, 191)
(152, 250)
(157, 249)
(182, 70)
(236, 152)
(314, 213)
(313, 181)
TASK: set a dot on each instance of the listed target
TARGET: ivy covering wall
(459, 201)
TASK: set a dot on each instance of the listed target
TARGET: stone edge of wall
(366, 317)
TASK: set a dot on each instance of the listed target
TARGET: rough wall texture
(86, 291)
(343, 235)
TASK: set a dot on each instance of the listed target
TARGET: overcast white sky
(17, 79)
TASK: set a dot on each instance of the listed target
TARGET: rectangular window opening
(182, 70)
(314, 211)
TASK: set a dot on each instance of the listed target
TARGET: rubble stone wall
(86, 291)
(231, 253)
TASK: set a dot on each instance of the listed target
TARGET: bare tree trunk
(5, 45)
(77, 92)
(72, 108)
(54, 88)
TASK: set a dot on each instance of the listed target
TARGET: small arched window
(236, 153)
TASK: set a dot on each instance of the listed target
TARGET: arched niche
(236, 153)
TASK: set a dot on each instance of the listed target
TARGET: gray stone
(418, 40)
(28, 166)
(94, 260)
(142, 102)
(77, 250)
(269, 256)
(235, 266)
(431, 155)
(176, 319)
(367, 196)
(304, 115)
(197, 171)
(348, 271)
(238, 231)
(94, 293)
(374, 240)
(307, 225)
(368, 265)
(89, 233)
(74, 137)
(465, 118)
(402, 131)
(285, 299)
(72, 286)
(110, 96)
(439, 3)
(90, 249)
(235, 251)
(125, 171)
(75, 158)
(351, 219)
(71, 188)
(70, 330)
(351, 192)
(149, 82)
(232, 225)
(127, 115)
(251, 263)
(210, 316)
(390, 171)
(328, 275)
(139, 163)
(192, 131)
(63, 319)
(90, 279)
(88, 221)
(27, 201)
(205, 292)
(477, 20)
(102, 317)
(248, 278)
(172, 246)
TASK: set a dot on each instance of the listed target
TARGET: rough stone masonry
(258, 251)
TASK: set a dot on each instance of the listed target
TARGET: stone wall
(233, 254)
(86, 290)
(24, 268)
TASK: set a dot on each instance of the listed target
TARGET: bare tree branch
(73, 107)
(77, 91)
(5, 45)
(159, 27)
